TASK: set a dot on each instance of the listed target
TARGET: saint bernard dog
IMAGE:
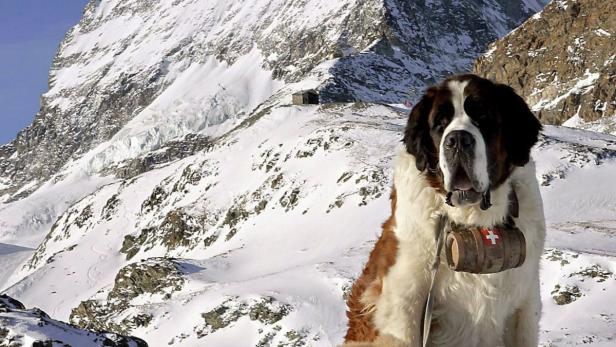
(466, 135)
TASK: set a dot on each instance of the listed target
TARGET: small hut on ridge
(305, 97)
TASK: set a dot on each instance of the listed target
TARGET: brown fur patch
(368, 286)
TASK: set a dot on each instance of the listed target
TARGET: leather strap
(427, 317)
(514, 204)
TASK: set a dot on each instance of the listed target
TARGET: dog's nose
(459, 139)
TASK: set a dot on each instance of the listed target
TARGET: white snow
(12, 256)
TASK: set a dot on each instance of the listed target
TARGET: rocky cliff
(563, 61)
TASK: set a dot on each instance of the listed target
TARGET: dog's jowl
(465, 156)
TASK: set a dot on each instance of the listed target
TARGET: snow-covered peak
(133, 75)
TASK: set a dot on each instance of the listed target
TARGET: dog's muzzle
(459, 148)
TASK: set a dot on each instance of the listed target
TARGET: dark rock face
(561, 60)
(417, 44)
(177, 229)
(7, 303)
(565, 296)
(151, 276)
(265, 310)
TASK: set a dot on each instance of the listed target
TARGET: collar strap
(514, 204)
(426, 322)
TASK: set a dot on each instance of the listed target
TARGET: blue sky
(30, 32)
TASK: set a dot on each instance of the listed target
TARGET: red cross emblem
(491, 237)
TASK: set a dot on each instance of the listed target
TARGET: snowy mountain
(169, 190)
(135, 74)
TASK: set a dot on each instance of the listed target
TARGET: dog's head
(468, 133)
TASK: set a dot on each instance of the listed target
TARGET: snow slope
(270, 250)
(289, 179)
(576, 169)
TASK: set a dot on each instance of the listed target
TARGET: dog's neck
(474, 215)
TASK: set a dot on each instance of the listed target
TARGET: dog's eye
(476, 111)
(474, 108)
(439, 125)
(442, 117)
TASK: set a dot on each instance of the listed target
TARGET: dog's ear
(417, 133)
(520, 126)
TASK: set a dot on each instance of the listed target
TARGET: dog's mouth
(461, 180)
(465, 193)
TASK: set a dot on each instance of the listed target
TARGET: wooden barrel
(485, 250)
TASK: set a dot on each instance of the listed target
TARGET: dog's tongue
(461, 181)
(463, 192)
(463, 197)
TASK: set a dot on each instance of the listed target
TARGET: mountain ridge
(101, 78)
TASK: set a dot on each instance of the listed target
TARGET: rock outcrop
(563, 61)
(32, 327)
(157, 277)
